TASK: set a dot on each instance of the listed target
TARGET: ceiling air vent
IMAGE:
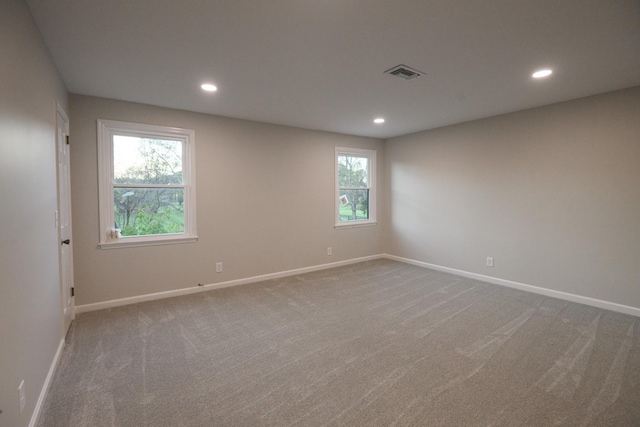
(404, 72)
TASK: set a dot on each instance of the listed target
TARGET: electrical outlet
(329, 251)
(21, 396)
(218, 267)
(489, 261)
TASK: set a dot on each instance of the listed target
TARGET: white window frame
(371, 179)
(106, 130)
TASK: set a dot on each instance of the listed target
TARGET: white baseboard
(620, 308)
(47, 383)
(634, 311)
(607, 305)
(186, 291)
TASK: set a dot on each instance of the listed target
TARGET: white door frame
(63, 216)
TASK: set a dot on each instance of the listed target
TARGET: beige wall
(30, 303)
(552, 193)
(265, 204)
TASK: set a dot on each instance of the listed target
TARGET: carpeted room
(374, 343)
(498, 283)
(378, 341)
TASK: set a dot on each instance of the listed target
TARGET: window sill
(355, 224)
(136, 242)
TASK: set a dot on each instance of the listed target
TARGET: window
(146, 184)
(355, 187)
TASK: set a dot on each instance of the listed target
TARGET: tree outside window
(146, 184)
(355, 191)
(145, 170)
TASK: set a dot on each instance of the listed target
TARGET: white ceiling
(319, 64)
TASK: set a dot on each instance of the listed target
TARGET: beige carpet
(379, 343)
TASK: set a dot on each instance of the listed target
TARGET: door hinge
(67, 139)
(73, 292)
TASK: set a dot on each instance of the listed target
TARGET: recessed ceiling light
(378, 121)
(209, 87)
(541, 74)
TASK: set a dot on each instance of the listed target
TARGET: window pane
(354, 205)
(146, 161)
(145, 211)
(353, 171)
